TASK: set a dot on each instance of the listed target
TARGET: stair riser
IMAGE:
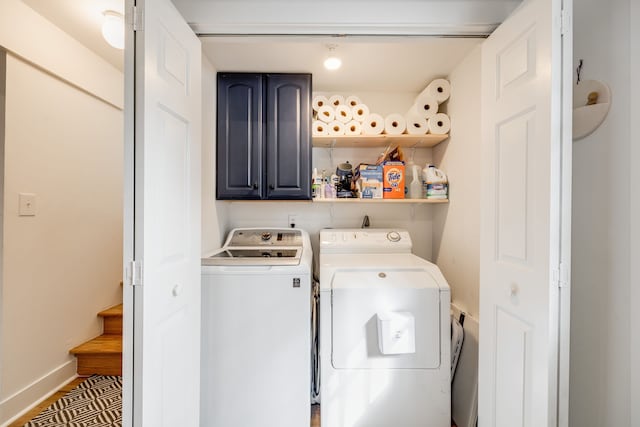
(113, 325)
(99, 364)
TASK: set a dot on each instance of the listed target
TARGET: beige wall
(62, 142)
(601, 316)
(456, 227)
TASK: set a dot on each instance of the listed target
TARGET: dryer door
(360, 297)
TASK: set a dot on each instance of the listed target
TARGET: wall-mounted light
(113, 28)
(332, 62)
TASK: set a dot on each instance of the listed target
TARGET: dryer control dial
(393, 236)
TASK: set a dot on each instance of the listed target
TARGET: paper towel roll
(326, 114)
(439, 124)
(336, 128)
(440, 89)
(373, 125)
(360, 112)
(416, 123)
(352, 101)
(319, 101)
(343, 113)
(320, 128)
(426, 105)
(353, 128)
(395, 124)
(336, 100)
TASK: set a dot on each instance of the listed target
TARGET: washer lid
(255, 256)
(240, 237)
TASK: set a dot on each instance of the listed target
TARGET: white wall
(634, 161)
(64, 264)
(213, 212)
(601, 316)
(63, 142)
(456, 227)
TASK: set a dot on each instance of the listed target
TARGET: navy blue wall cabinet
(264, 136)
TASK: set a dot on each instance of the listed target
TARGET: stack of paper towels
(337, 115)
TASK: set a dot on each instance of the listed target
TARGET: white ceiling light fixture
(332, 62)
(113, 28)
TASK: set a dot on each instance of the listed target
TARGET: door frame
(372, 31)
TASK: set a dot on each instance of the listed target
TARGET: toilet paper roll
(326, 114)
(353, 128)
(352, 101)
(336, 100)
(343, 113)
(320, 128)
(416, 123)
(439, 124)
(319, 101)
(360, 112)
(373, 125)
(426, 105)
(440, 89)
(395, 124)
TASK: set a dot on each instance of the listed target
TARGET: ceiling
(82, 20)
(403, 64)
(369, 62)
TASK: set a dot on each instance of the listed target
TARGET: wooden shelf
(367, 141)
(385, 201)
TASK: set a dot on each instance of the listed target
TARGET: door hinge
(565, 22)
(136, 18)
(560, 276)
(563, 281)
(134, 273)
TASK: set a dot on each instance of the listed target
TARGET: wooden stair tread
(115, 311)
(104, 344)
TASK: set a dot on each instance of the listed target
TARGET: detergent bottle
(435, 184)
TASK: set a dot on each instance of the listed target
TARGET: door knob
(512, 290)
(255, 185)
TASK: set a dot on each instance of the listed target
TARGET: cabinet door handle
(255, 185)
(271, 187)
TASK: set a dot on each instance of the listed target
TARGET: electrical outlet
(292, 220)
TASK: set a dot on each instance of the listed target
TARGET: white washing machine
(256, 339)
(384, 332)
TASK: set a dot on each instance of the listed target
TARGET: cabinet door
(288, 147)
(239, 135)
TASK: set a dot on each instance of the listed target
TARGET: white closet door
(521, 218)
(166, 343)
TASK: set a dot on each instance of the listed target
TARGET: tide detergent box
(370, 177)
(393, 180)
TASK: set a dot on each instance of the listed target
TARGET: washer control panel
(358, 240)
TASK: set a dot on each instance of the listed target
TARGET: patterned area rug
(95, 402)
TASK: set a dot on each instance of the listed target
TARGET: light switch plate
(27, 204)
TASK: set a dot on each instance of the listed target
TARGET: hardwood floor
(315, 415)
(45, 403)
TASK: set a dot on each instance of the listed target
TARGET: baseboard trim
(25, 399)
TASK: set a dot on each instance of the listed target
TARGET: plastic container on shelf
(415, 187)
(435, 183)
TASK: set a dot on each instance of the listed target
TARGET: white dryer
(384, 332)
(256, 338)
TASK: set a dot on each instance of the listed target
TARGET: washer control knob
(266, 236)
(393, 236)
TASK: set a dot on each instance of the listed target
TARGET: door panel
(520, 219)
(166, 345)
(240, 136)
(288, 146)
